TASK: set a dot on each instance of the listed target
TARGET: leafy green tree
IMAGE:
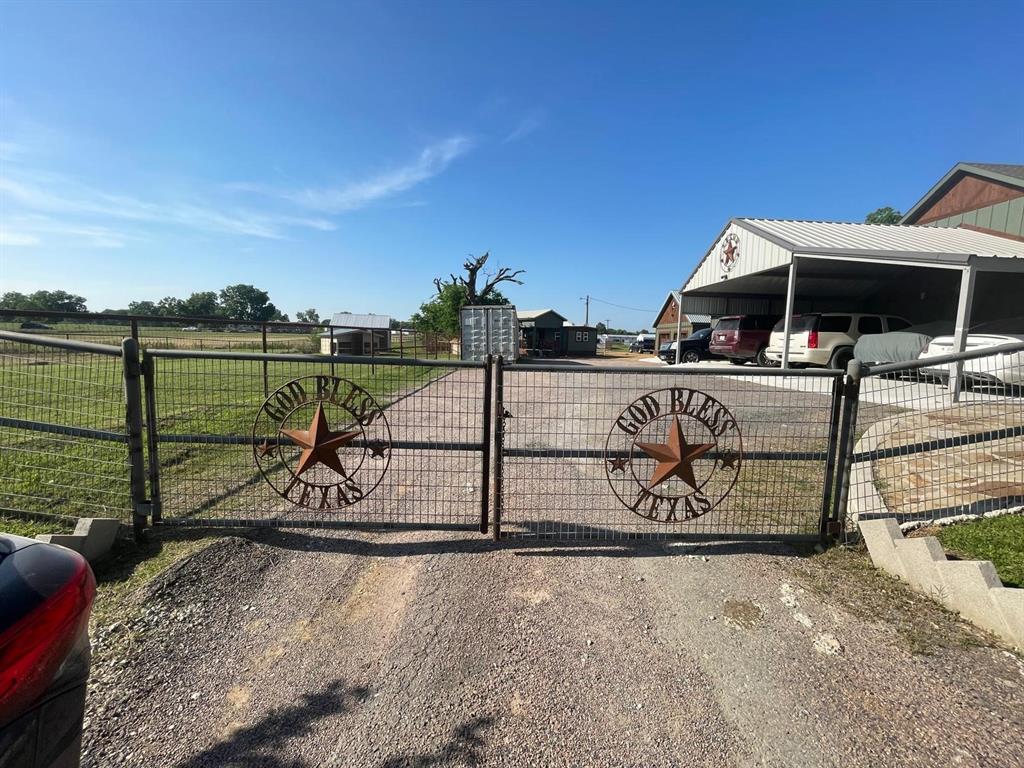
(201, 304)
(143, 308)
(308, 316)
(15, 300)
(246, 302)
(886, 215)
(441, 313)
(170, 306)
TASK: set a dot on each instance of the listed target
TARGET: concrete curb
(93, 537)
(970, 587)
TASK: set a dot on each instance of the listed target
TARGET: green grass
(72, 476)
(29, 528)
(999, 539)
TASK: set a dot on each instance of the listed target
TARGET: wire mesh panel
(926, 450)
(602, 452)
(311, 440)
(63, 440)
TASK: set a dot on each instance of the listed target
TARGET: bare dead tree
(473, 266)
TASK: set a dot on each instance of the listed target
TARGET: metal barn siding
(756, 254)
(489, 330)
(1007, 216)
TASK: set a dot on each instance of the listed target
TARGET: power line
(620, 306)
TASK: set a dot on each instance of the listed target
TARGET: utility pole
(586, 318)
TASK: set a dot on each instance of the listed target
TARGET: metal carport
(922, 273)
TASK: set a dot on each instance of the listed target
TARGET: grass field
(999, 539)
(85, 476)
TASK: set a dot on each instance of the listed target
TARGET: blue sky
(341, 155)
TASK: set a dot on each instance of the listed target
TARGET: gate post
(263, 335)
(485, 475)
(824, 529)
(133, 421)
(152, 443)
(499, 442)
(847, 436)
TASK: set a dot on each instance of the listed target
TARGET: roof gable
(967, 187)
(533, 314)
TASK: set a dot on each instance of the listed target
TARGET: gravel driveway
(419, 649)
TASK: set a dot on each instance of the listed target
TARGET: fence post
(152, 442)
(830, 458)
(133, 420)
(485, 474)
(847, 435)
(266, 386)
(334, 351)
(499, 442)
(135, 329)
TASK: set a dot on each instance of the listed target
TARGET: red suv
(743, 337)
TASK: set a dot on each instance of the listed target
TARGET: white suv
(827, 338)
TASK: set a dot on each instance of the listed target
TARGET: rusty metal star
(728, 460)
(675, 458)
(376, 450)
(319, 444)
(265, 448)
(618, 463)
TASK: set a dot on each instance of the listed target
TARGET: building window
(586, 335)
(579, 335)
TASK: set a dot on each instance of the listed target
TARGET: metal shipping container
(489, 330)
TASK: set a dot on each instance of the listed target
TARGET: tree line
(238, 302)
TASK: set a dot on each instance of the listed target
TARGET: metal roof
(349, 320)
(533, 314)
(845, 238)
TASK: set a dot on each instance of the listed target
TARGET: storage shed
(351, 334)
(546, 333)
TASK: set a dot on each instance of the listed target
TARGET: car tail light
(34, 647)
(812, 339)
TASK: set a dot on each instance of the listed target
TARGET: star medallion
(618, 464)
(266, 448)
(728, 460)
(675, 458)
(319, 444)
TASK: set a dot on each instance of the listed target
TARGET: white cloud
(526, 126)
(10, 237)
(53, 194)
(432, 160)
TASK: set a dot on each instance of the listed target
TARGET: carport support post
(788, 319)
(963, 323)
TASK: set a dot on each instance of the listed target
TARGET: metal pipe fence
(199, 437)
(64, 436)
(226, 334)
(928, 451)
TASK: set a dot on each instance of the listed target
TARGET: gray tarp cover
(895, 347)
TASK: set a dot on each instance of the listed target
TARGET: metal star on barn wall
(319, 444)
(675, 458)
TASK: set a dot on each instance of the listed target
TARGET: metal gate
(624, 452)
(316, 440)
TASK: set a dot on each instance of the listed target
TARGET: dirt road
(422, 649)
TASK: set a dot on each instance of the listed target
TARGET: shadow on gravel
(534, 546)
(460, 749)
(262, 743)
